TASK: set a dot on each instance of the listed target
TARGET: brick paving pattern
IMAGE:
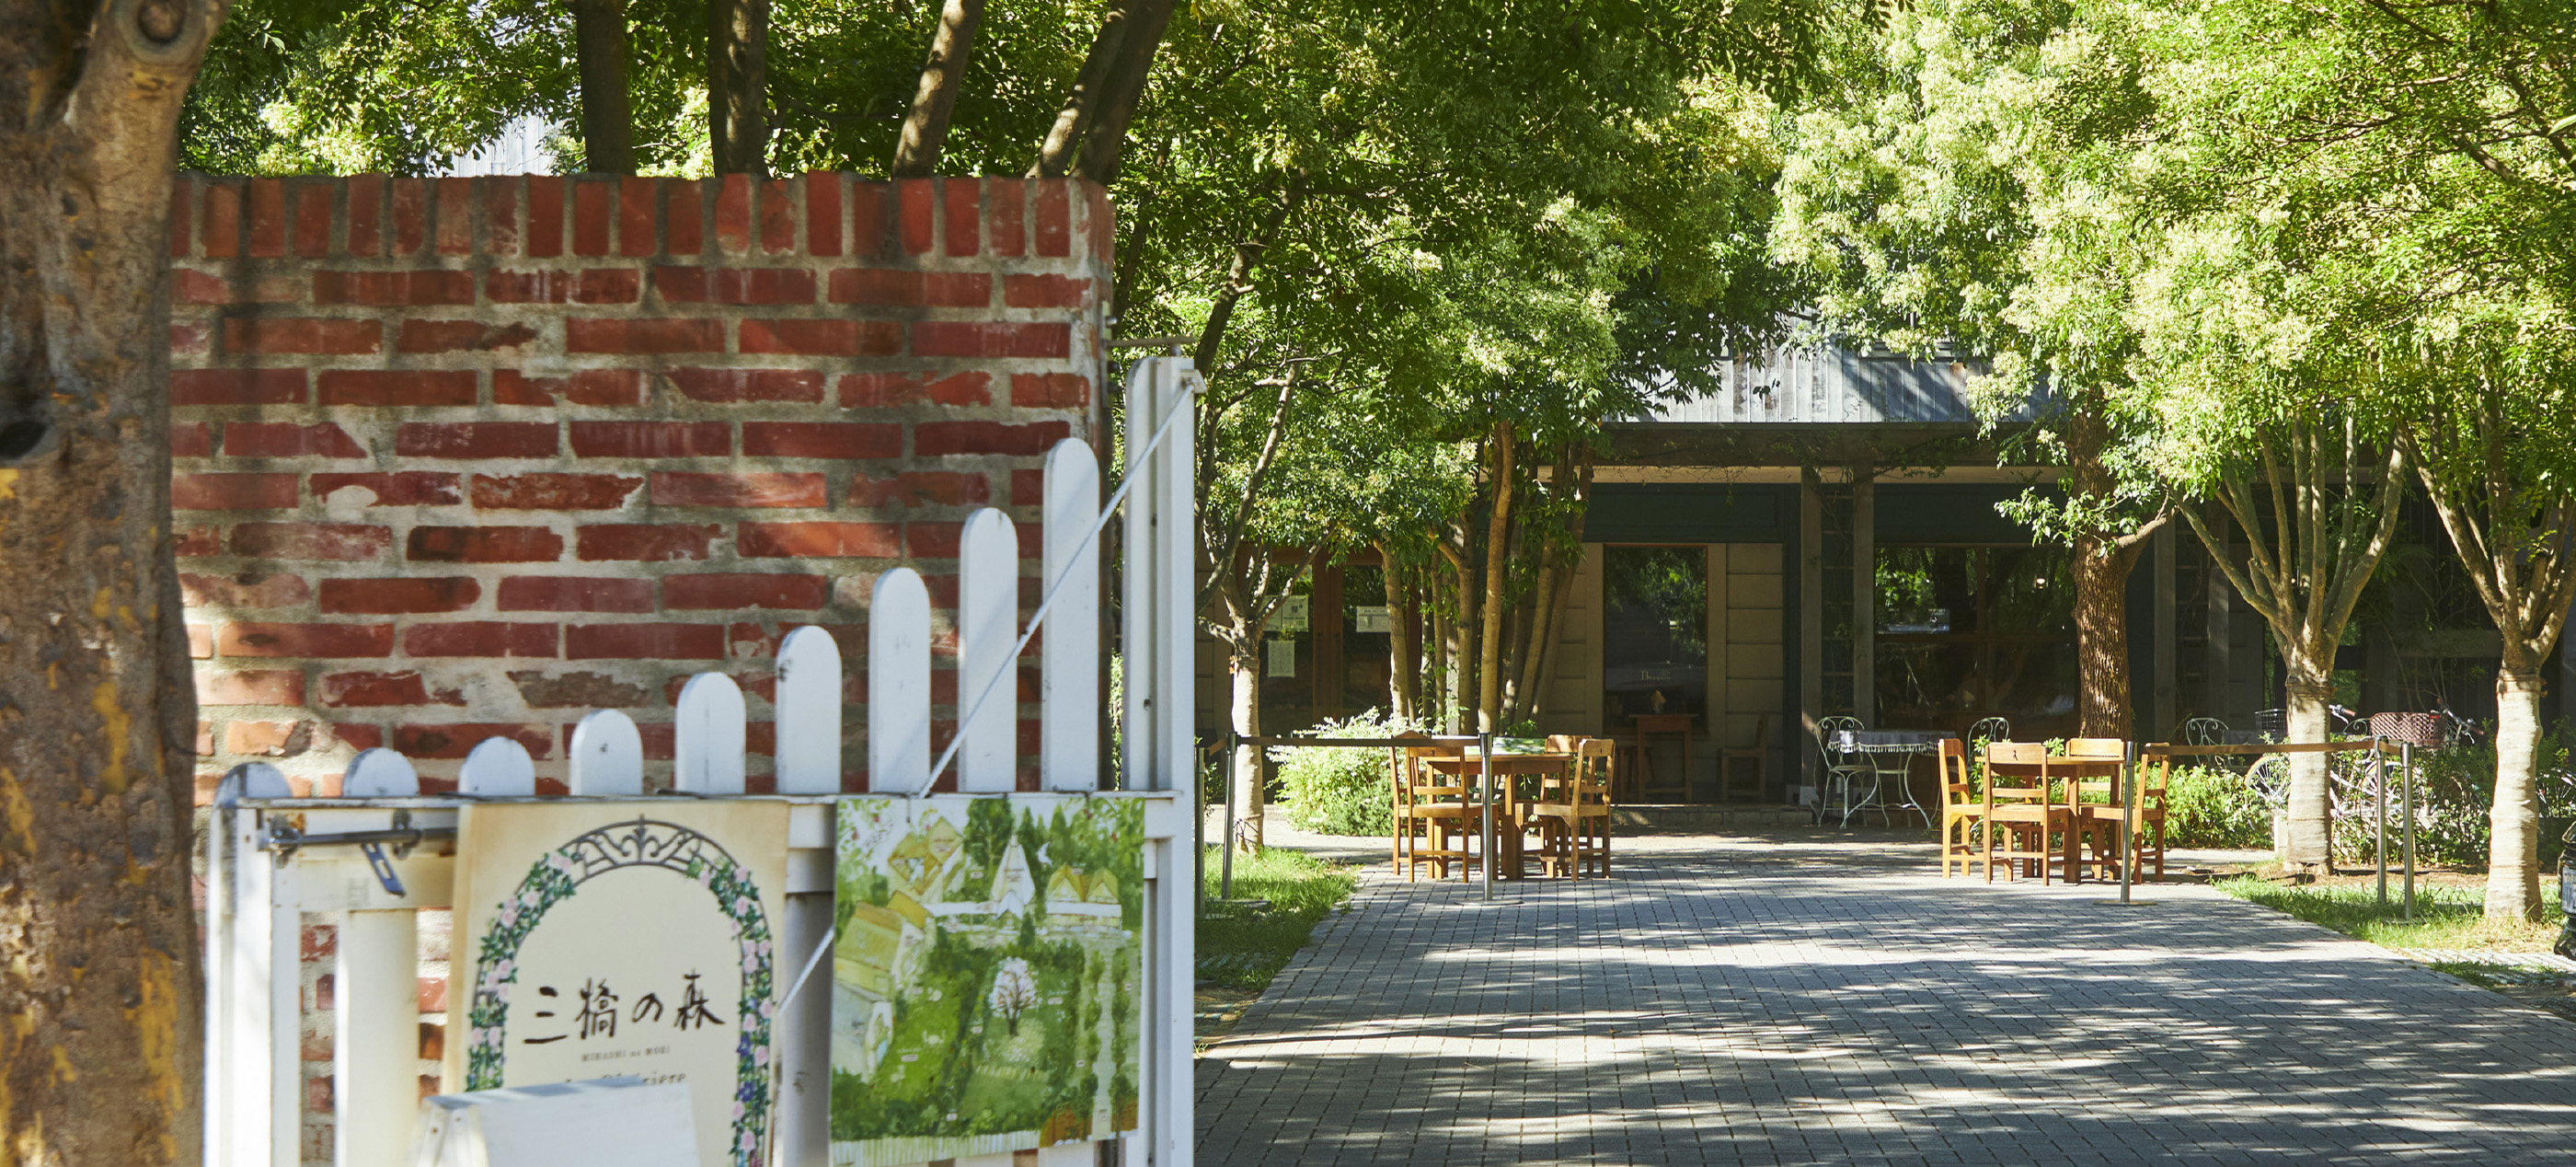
(1822, 1001)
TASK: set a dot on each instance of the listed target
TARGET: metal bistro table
(1891, 754)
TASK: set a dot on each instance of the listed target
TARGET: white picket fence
(258, 896)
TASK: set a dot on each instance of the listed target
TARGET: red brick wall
(462, 457)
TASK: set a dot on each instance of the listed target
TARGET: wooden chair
(1963, 810)
(1759, 754)
(1648, 783)
(2021, 809)
(2096, 800)
(1433, 817)
(2147, 836)
(1572, 810)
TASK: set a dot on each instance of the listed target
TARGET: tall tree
(925, 129)
(1961, 193)
(607, 112)
(99, 1060)
(738, 85)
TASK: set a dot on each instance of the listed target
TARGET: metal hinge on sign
(283, 841)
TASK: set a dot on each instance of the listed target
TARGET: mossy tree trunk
(99, 1058)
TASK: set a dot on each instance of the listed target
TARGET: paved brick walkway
(1745, 1001)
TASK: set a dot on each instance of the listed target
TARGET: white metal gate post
(375, 1047)
(253, 1033)
(808, 712)
(1158, 620)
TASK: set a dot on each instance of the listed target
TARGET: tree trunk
(2102, 637)
(1403, 651)
(1462, 649)
(925, 129)
(738, 85)
(1553, 631)
(607, 115)
(1243, 660)
(1533, 648)
(1437, 701)
(2311, 833)
(2513, 850)
(100, 1059)
(1090, 129)
(1489, 672)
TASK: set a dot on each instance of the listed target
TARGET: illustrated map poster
(986, 975)
(596, 938)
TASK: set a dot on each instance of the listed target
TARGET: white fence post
(1158, 616)
(899, 684)
(808, 709)
(607, 757)
(376, 1003)
(254, 1038)
(707, 755)
(988, 690)
(498, 768)
(1069, 673)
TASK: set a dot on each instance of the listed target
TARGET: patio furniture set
(2061, 815)
(1549, 803)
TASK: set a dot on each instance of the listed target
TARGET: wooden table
(1504, 802)
(2071, 771)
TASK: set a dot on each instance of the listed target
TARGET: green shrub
(1340, 790)
(2210, 807)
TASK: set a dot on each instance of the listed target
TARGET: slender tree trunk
(2311, 828)
(1439, 686)
(1554, 632)
(925, 129)
(738, 85)
(2513, 850)
(1243, 663)
(100, 1055)
(1463, 637)
(1404, 649)
(607, 116)
(1533, 649)
(1090, 129)
(1489, 673)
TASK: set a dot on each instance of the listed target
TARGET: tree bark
(1090, 130)
(1243, 663)
(607, 114)
(1497, 562)
(2513, 849)
(2311, 803)
(925, 129)
(100, 1058)
(1404, 650)
(738, 85)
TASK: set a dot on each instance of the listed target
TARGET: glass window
(1971, 632)
(1368, 640)
(1654, 631)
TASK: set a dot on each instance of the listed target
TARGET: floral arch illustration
(554, 878)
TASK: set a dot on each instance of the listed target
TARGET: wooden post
(253, 1038)
(899, 684)
(708, 730)
(808, 709)
(1864, 569)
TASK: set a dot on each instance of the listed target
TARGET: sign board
(1375, 618)
(611, 1122)
(598, 937)
(986, 975)
(1280, 659)
(1292, 615)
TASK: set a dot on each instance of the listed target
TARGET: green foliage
(2210, 807)
(1244, 952)
(1341, 790)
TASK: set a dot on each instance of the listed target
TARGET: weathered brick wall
(463, 457)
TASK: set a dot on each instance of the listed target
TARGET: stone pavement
(1827, 998)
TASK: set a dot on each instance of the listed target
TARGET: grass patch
(2445, 917)
(1244, 952)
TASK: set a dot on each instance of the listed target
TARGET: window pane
(1654, 626)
